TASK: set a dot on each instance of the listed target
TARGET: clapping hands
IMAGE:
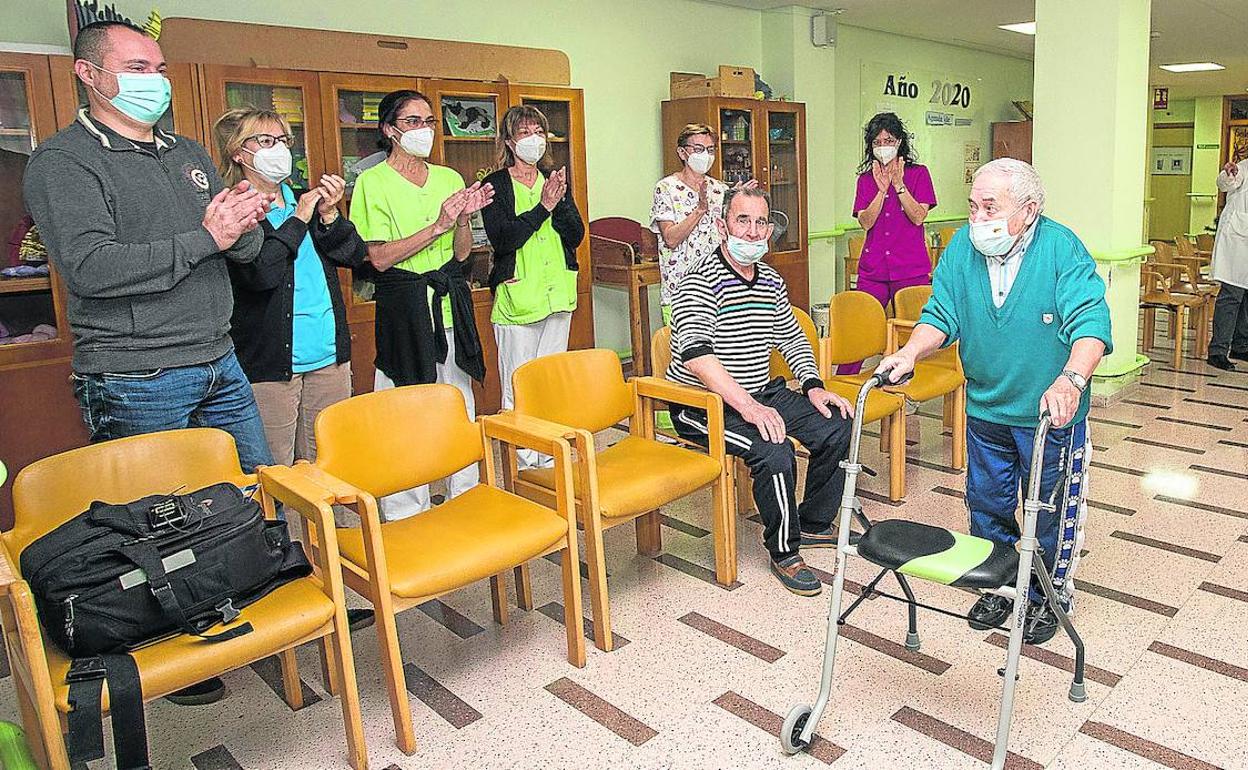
(555, 188)
(234, 211)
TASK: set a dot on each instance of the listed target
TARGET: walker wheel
(791, 732)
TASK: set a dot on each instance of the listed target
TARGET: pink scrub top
(896, 248)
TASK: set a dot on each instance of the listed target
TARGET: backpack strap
(145, 556)
(125, 693)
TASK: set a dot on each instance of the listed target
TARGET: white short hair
(1025, 184)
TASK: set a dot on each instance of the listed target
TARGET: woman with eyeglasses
(414, 215)
(894, 195)
(535, 229)
(289, 325)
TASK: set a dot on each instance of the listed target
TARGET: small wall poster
(1172, 161)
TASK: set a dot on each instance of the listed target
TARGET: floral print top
(673, 201)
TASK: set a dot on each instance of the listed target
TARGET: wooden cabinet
(763, 140)
(1012, 139)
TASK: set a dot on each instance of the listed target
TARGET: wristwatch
(1080, 382)
(901, 189)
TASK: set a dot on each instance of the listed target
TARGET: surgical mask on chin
(418, 142)
(885, 154)
(531, 149)
(273, 163)
(746, 252)
(992, 238)
(700, 162)
(141, 96)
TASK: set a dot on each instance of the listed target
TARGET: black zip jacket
(509, 231)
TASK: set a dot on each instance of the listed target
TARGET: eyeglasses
(268, 140)
(415, 121)
(698, 149)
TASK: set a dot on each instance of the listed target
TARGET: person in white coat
(1230, 268)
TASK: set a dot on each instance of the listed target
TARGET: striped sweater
(716, 311)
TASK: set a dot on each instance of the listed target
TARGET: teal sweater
(1011, 355)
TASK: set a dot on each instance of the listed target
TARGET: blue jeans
(998, 469)
(212, 395)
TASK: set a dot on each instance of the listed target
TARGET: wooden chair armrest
(299, 492)
(899, 329)
(659, 389)
(8, 570)
(342, 491)
(526, 432)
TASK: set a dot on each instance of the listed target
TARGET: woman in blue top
(289, 324)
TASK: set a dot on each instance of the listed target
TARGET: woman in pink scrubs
(894, 195)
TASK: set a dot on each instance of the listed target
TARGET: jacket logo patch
(1047, 318)
(197, 177)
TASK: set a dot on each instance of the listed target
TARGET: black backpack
(120, 576)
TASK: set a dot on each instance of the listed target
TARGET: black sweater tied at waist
(411, 338)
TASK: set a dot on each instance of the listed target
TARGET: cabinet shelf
(21, 285)
(735, 141)
(358, 126)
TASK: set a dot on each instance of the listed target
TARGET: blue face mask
(142, 96)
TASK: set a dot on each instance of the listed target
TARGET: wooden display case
(763, 140)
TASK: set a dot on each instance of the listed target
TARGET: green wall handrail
(1123, 255)
(852, 227)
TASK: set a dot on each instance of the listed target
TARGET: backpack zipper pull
(68, 609)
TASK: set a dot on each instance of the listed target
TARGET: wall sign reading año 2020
(943, 92)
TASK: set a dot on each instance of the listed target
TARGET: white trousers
(519, 344)
(416, 500)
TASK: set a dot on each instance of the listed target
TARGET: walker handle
(882, 378)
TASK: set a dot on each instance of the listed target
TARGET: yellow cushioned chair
(51, 491)
(376, 444)
(857, 330)
(856, 243)
(937, 376)
(586, 391)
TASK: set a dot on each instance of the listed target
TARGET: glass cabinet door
(736, 145)
(783, 178)
(350, 105)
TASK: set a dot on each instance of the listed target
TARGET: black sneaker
(1041, 623)
(357, 619)
(207, 691)
(794, 575)
(827, 538)
(989, 612)
(1220, 362)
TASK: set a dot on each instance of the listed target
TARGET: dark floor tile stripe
(1193, 423)
(733, 637)
(1243, 538)
(554, 558)
(216, 758)
(554, 611)
(1201, 506)
(1227, 442)
(1119, 423)
(1227, 387)
(1104, 506)
(694, 570)
(1200, 661)
(270, 670)
(604, 713)
(1159, 386)
(1122, 597)
(683, 526)
(1099, 448)
(893, 649)
(1204, 402)
(434, 694)
(450, 618)
(959, 739)
(1148, 404)
(1057, 660)
(769, 722)
(1230, 593)
(876, 497)
(1142, 747)
(1164, 445)
(1182, 550)
(1116, 468)
(1219, 471)
(826, 578)
(1172, 370)
(933, 466)
(950, 492)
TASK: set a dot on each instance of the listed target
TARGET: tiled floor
(702, 675)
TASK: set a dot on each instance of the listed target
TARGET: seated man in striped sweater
(728, 313)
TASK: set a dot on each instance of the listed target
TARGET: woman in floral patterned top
(686, 205)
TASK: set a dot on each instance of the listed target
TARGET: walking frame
(942, 556)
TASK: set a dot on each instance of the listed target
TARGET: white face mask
(273, 163)
(746, 252)
(418, 142)
(531, 149)
(885, 154)
(700, 162)
(992, 238)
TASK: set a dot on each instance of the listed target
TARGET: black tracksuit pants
(773, 467)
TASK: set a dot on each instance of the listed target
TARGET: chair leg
(498, 596)
(959, 428)
(396, 681)
(1179, 318)
(649, 534)
(897, 455)
(31, 726)
(292, 688)
(723, 524)
(884, 437)
(745, 490)
(524, 588)
(342, 668)
(599, 602)
(1150, 327)
(947, 421)
(572, 609)
(329, 677)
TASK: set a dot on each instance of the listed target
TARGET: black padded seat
(940, 555)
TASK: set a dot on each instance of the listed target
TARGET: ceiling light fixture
(1196, 66)
(1023, 27)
